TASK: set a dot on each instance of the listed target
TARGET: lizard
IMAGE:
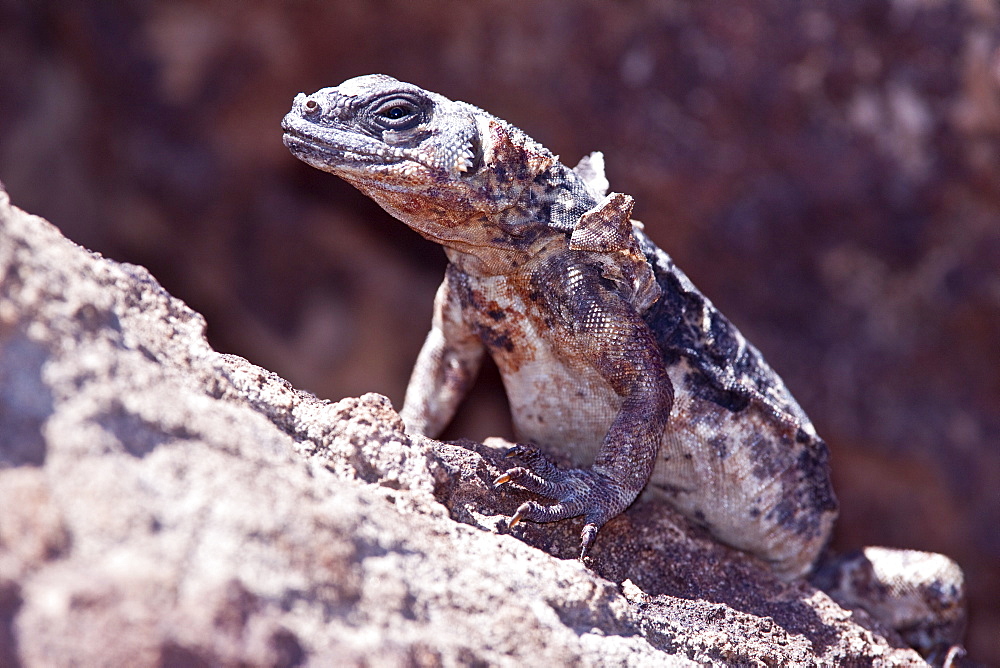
(608, 353)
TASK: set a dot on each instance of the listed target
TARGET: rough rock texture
(165, 504)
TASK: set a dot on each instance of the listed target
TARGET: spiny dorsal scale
(591, 170)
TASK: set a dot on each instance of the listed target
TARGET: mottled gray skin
(609, 355)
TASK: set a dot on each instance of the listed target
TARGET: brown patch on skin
(497, 342)
(499, 316)
(512, 163)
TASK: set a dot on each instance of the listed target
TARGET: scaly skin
(608, 353)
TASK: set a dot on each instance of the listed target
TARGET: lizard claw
(587, 537)
(535, 512)
(516, 518)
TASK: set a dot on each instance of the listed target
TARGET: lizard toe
(553, 483)
(533, 459)
(536, 512)
(526, 479)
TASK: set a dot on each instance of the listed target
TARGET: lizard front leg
(445, 368)
(597, 327)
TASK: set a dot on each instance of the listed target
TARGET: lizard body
(608, 353)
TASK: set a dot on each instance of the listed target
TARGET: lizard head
(449, 170)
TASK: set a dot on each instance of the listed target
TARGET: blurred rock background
(828, 173)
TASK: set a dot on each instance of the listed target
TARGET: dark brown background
(828, 173)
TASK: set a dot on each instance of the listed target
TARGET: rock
(166, 504)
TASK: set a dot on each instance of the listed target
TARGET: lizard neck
(535, 221)
(482, 261)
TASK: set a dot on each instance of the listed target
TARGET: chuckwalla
(608, 353)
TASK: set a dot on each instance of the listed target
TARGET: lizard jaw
(334, 150)
(328, 149)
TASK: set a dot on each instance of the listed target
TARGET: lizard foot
(576, 492)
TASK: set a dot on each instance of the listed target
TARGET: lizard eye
(395, 113)
(398, 113)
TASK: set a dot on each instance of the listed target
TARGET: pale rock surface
(165, 504)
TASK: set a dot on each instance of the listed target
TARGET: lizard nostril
(311, 106)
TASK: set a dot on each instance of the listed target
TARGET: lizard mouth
(327, 148)
(336, 150)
